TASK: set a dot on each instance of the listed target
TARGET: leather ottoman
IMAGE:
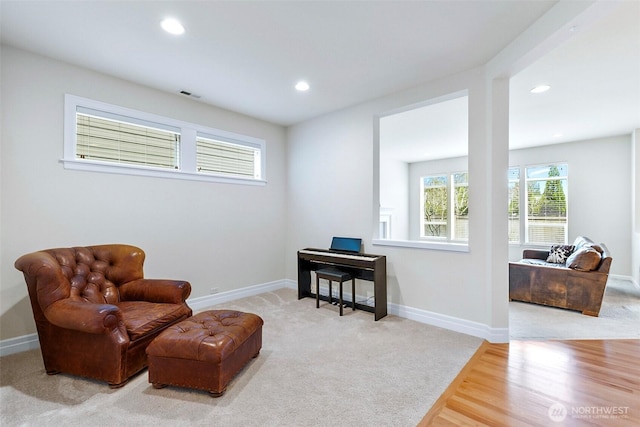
(205, 351)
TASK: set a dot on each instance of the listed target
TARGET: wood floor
(545, 383)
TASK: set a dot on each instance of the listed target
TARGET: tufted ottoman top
(210, 336)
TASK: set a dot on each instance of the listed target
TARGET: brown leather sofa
(95, 313)
(574, 285)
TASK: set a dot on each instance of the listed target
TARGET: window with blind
(107, 138)
(110, 140)
(221, 157)
(546, 221)
(445, 206)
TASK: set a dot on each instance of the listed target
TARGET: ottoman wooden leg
(158, 385)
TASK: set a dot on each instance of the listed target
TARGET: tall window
(435, 206)
(445, 206)
(514, 205)
(546, 220)
(460, 206)
(108, 138)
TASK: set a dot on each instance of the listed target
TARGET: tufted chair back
(95, 312)
(94, 273)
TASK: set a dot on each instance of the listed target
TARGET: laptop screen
(348, 244)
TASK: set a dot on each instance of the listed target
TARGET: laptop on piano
(347, 245)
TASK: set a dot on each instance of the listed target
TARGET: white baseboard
(626, 279)
(207, 301)
(480, 330)
(19, 344)
(494, 335)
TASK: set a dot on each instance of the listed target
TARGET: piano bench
(333, 274)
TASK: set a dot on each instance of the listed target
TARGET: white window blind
(109, 140)
(221, 157)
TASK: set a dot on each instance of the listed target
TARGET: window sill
(87, 165)
(438, 246)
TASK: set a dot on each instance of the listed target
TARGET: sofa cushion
(584, 259)
(558, 254)
(581, 241)
(535, 261)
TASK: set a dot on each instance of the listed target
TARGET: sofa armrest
(535, 254)
(86, 317)
(156, 290)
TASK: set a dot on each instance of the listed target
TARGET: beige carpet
(619, 317)
(315, 369)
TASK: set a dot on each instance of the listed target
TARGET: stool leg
(353, 294)
(317, 291)
(330, 293)
(341, 298)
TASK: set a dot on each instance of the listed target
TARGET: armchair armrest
(156, 290)
(535, 254)
(85, 316)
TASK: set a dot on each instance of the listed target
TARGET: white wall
(599, 188)
(394, 195)
(213, 235)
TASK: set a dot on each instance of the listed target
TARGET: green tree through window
(435, 206)
(546, 220)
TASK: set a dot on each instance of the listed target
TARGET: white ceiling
(246, 56)
(595, 92)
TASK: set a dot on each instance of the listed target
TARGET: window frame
(187, 148)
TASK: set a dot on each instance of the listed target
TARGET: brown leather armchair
(95, 313)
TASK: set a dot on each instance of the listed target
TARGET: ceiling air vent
(187, 93)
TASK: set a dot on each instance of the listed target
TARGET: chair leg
(341, 298)
(317, 292)
(330, 293)
(353, 294)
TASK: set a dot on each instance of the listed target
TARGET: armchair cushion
(142, 317)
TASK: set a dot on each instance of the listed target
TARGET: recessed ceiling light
(172, 26)
(540, 88)
(302, 86)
